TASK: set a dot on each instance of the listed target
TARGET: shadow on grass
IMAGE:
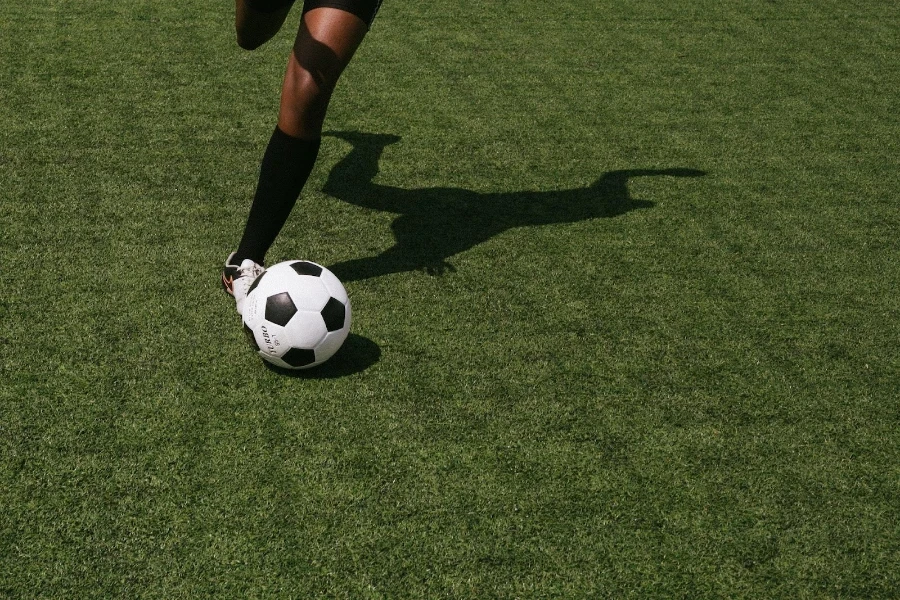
(356, 355)
(435, 224)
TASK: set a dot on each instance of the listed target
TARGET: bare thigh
(325, 43)
(254, 28)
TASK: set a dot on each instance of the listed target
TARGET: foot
(236, 279)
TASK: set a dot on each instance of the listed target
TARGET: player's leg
(256, 21)
(325, 43)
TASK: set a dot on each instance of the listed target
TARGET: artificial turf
(624, 279)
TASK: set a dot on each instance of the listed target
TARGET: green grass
(683, 388)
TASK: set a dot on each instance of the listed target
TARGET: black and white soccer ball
(297, 314)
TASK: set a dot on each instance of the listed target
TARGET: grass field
(625, 284)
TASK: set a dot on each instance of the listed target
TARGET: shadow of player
(438, 223)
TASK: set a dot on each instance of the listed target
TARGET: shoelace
(246, 276)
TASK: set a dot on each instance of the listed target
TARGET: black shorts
(364, 9)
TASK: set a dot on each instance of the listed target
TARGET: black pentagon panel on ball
(334, 314)
(299, 357)
(255, 282)
(304, 267)
(280, 308)
(251, 338)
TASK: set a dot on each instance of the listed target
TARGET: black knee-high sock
(286, 166)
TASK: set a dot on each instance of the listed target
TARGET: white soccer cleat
(237, 279)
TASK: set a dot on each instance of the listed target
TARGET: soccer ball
(297, 314)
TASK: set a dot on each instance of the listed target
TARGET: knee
(304, 102)
(254, 28)
(248, 41)
(307, 90)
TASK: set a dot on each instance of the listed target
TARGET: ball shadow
(355, 356)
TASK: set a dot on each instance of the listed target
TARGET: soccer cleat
(237, 279)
